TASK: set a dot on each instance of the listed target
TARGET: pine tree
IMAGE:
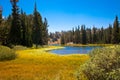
(115, 31)
(15, 31)
(102, 34)
(105, 37)
(109, 32)
(94, 36)
(78, 35)
(37, 28)
(29, 31)
(83, 32)
(45, 32)
(4, 30)
(63, 39)
(89, 35)
(24, 30)
(73, 35)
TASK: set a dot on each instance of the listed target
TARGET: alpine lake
(74, 50)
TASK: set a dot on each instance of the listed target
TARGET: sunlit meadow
(39, 64)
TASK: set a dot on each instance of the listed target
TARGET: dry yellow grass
(37, 64)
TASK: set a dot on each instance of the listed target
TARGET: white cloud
(3, 17)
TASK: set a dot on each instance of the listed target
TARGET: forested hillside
(21, 29)
(95, 35)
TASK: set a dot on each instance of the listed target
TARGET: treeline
(83, 35)
(21, 29)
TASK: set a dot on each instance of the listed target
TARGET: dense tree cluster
(22, 29)
(83, 35)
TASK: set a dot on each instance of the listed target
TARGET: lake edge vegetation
(104, 64)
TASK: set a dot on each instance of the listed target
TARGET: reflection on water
(74, 50)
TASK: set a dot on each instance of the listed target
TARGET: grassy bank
(81, 45)
(37, 64)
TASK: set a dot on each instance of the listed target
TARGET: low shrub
(19, 47)
(103, 65)
(6, 53)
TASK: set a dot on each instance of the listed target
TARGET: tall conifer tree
(24, 30)
(15, 31)
(115, 31)
(37, 28)
(45, 32)
(83, 32)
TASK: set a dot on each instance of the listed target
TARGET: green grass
(19, 47)
(37, 64)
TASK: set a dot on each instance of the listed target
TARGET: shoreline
(85, 45)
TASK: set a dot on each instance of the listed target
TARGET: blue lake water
(74, 50)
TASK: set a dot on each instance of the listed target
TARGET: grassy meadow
(38, 64)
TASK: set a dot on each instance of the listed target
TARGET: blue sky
(66, 14)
